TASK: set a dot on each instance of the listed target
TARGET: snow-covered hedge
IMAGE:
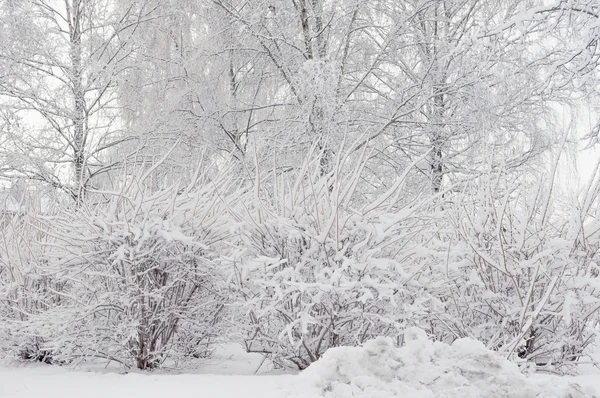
(137, 276)
(310, 260)
(26, 289)
(319, 269)
(522, 271)
(322, 265)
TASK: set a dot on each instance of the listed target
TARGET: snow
(51, 382)
(419, 369)
(229, 373)
(425, 369)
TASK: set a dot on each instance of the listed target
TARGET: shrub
(138, 274)
(523, 272)
(318, 269)
(27, 291)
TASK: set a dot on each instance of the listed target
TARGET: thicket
(291, 262)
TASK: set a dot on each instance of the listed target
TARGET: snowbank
(423, 369)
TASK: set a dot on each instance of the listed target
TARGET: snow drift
(424, 369)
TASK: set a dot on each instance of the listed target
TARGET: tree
(62, 62)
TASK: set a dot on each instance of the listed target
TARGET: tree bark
(74, 18)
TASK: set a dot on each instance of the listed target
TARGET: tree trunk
(74, 16)
(437, 138)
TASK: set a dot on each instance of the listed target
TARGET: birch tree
(62, 64)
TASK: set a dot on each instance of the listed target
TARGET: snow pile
(423, 369)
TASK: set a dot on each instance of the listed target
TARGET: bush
(27, 290)
(318, 269)
(522, 272)
(139, 281)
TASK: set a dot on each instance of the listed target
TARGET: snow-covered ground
(57, 383)
(420, 369)
(230, 373)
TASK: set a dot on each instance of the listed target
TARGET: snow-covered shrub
(318, 268)
(522, 271)
(140, 283)
(26, 290)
